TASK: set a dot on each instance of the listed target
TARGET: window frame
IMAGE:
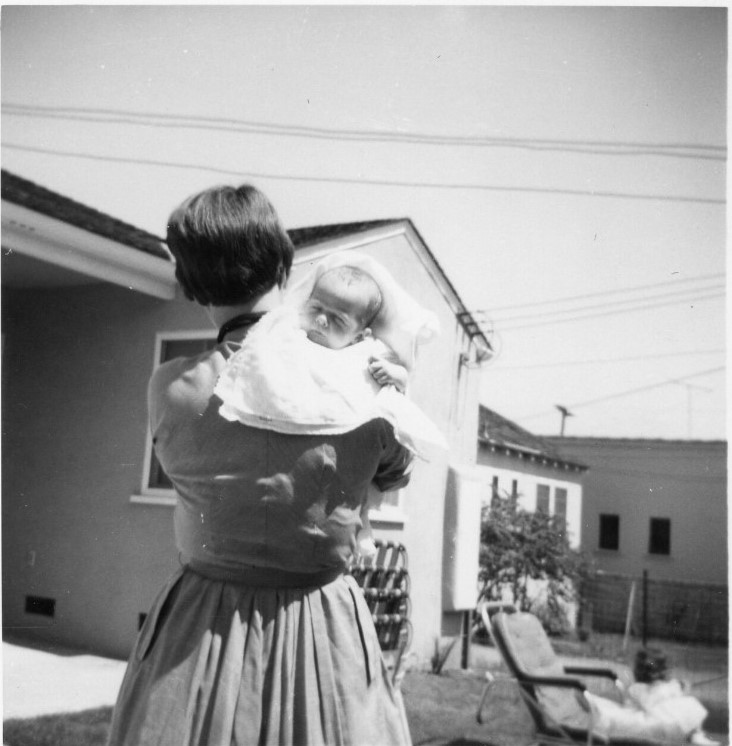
(561, 497)
(163, 495)
(543, 491)
(600, 546)
(658, 521)
(391, 510)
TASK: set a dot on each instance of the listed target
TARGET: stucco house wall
(75, 367)
(684, 481)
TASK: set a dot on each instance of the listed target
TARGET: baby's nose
(321, 320)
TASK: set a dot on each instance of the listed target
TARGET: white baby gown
(279, 380)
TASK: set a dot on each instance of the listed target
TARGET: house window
(609, 531)
(659, 536)
(389, 510)
(560, 503)
(542, 498)
(168, 346)
(494, 488)
(514, 488)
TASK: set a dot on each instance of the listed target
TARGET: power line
(641, 307)
(647, 388)
(605, 361)
(366, 182)
(629, 392)
(634, 288)
(595, 147)
(680, 294)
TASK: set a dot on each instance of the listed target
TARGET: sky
(565, 165)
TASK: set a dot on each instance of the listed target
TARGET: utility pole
(565, 413)
(689, 409)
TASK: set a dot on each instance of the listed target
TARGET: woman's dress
(259, 638)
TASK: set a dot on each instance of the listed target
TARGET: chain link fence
(619, 614)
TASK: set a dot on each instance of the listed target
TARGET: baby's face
(330, 319)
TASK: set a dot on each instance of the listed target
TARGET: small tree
(518, 546)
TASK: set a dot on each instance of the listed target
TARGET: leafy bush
(518, 547)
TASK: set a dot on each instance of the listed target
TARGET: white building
(516, 462)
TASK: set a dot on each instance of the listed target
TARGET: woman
(259, 637)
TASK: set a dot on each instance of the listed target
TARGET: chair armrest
(562, 681)
(606, 673)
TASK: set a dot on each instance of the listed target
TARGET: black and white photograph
(364, 374)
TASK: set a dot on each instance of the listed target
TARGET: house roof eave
(63, 244)
(532, 456)
(38, 199)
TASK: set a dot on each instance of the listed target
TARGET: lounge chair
(554, 694)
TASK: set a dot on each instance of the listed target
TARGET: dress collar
(238, 322)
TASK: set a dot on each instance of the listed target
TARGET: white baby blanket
(279, 380)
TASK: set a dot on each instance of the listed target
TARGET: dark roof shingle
(495, 430)
(39, 199)
(303, 237)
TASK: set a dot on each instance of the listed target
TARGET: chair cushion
(527, 643)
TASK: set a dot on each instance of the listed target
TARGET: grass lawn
(86, 728)
(441, 711)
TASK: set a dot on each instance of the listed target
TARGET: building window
(514, 489)
(542, 498)
(659, 536)
(168, 346)
(609, 531)
(560, 503)
(494, 488)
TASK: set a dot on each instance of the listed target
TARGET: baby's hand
(384, 373)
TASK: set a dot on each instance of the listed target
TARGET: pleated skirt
(219, 663)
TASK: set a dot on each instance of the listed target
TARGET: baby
(336, 355)
(344, 302)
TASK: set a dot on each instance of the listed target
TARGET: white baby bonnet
(279, 380)
(401, 324)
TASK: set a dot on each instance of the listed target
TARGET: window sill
(387, 515)
(162, 499)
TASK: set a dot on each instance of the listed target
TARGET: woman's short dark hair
(229, 246)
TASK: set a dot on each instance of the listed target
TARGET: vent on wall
(39, 605)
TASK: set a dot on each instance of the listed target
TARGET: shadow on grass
(441, 711)
(85, 728)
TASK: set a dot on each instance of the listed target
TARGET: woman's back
(250, 496)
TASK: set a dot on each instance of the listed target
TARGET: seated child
(654, 707)
(326, 361)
